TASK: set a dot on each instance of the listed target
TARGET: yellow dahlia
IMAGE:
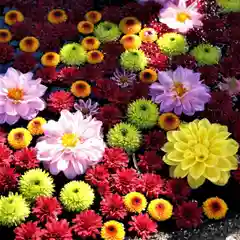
(5, 36)
(95, 57)
(160, 209)
(35, 126)
(168, 121)
(215, 208)
(19, 138)
(57, 16)
(13, 16)
(112, 230)
(81, 89)
(200, 150)
(148, 76)
(29, 44)
(85, 27)
(50, 59)
(131, 41)
(93, 16)
(90, 43)
(135, 202)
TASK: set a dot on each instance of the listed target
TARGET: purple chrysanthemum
(123, 78)
(87, 107)
(180, 90)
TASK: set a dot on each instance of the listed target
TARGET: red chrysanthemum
(125, 181)
(87, 224)
(143, 226)
(20, 30)
(113, 48)
(186, 61)
(91, 72)
(26, 158)
(120, 96)
(25, 62)
(112, 207)
(47, 209)
(8, 179)
(60, 100)
(115, 158)
(104, 188)
(139, 90)
(5, 156)
(236, 174)
(109, 14)
(3, 136)
(57, 230)
(47, 74)
(150, 162)
(27, 231)
(154, 140)
(188, 215)
(97, 175)
(68, 75)
(209, 74)
(6, 53)
(159, 27)
(67, 31)
(230, 66)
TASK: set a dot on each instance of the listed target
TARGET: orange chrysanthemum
(5, 36)
(131, 41)
(13, 16)
(130, 25)
(93, 16)
(50, 59)
(29, 44)
(57, 16)
(95, 57)
(81, 89)
(90, 43)
(148, 76)
(85, 27)
(168, 121)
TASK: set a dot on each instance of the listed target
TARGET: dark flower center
(147, 75)
(172, 39)
(95, 55)
(93, 15)
(206, 50)
(169, 119)
(124, 131)
(80, 86)
(50, 57)
(76, 190)
(129, 39)
(37, 182)
(107, 27)
(29, 42)
(18, 136)
(149, 32)
(73, 48)
(130, 22)
(134, 53)
(86, 26)
(90, 41)
(3, 34)
(85, 110)
(143, 107)
(216, 206)
(36, 123)
(12, 16)
(57, 13)
(111, 228)
(136, 201)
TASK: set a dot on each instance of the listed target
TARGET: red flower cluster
(96, 175)
(8, 179)
(7, 53)
(6, 157)
(25, 62)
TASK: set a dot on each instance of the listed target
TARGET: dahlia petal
(234, 162)
(62, 163)
(168, 161)
(179, 172)
(22, 109)
(212, 174)
(52, 129)
(224, 164)
(2, 118)
(37, 104)
(66, 121)
(197, 170)
(195, 183)
(165, 79)
(224, 177)
(231, 148)
(168, 147)
(175, 156)
(12, 119)
(70, 172)
(54, 170)
(178, 110)
(10, 108)
(187, 163)
(181, 146)
(211, 161)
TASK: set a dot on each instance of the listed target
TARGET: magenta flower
(20, 96)
(181, 91)
(231, 85)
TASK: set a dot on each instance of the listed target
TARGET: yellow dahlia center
(182, 17)
(201, 152)
(15, 94)
(179, 89)
(69, 140)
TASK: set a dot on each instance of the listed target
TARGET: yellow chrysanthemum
(90, 43)
(93, 16)
(168, 121)
(148, 76)
(160, 209)
(201, 150)
(215, 208)
(130, 25)
(85, 27)
(13, 16)
(5, 36)
(35, 126)
(57, 16)
(19, 138)
(135, 202)
(95, 57)
(148, 35)
(81, 89)
(112, 230)
(50, 59)
(29, 44)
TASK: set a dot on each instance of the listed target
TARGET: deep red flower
(67, 31)
(209, 74)
(159, 27)
(27, 231)
(22, 29)
(104, 88)
(104, 188)
(230, 66)
(47, 209)
(6, 53)
(25, 62)
(139, 90)
(196, 36)
(8, 179)
(186, 61)
(109, 14)
(5, 156)
(125, 181)
(113, 48)
(47, 74)
(120, 96)
(236, 174)
(59, 100)
(68, 75)
(143, 226)
(154, 140)
(96, 175)
(112, 207)
(26, 158)
(115, 158)
(87, 224)
(57, 230)
(188, 215)
(91, 72)
(3, 136)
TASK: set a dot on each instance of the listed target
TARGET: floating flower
(57, 16)
(150, 162)
(148, 35)
(13, 16)
(112, 230)
(168, 121)
(95, 56)
(7, 52)
(131, 41)
(209, 156)
(50, 59)
(35, 126)
(8, 179)
(87, 108)
(90, 43)
(71, 145)
(215, 208)
(29, 44)
(229, 5)
(81, 89)
(123, 78)
(135, 202)
(5, 36)
(85, 27)
(181, 17)
(181, 91)
(160, 209)
(93, 16)
(19, 138)
(130, 25)
(231, 85)
(148, 76)
(76, 196)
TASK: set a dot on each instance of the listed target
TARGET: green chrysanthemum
(133, 60)
(13, 210)
(73, 54)
(107, 32)
(125, 136)
(143, 113)
(172, 44)
(206, 54)
(229, 5)
(35, 183)
(77, 196)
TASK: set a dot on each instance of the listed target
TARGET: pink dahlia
(20, 96)
(71, 145)
(181, 91)
(231, 85)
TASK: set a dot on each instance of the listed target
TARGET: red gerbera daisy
(68, 75)
(25, 62)
(3, 136)
(47, 74)
(5, 155)
(47, 209)
(143, 226)
(8, 179)
(87, 224)
(154, 140)
(96, 175)
(7, 53)
(112, 207)
(188, 215)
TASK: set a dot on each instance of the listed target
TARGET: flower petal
(212, 174)
(197, 170)
(195, 183)
(179, 172)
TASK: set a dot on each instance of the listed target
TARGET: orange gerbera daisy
(112, 230)
(135, 202)
(148, 76)
(130, 25)
(90, 43)
(95, 57)
(50, 59)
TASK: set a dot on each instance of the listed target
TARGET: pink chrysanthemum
(97, 175)
(8, 179)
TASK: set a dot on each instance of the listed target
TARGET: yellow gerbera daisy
(90, 43)
(57, 16)
(13, 16)
(50, 59)
(93, 16)
(148, 35)
(131, 41)
(5, 36)
(168, 121)
(29, 44)
(130, 25)
(160, 209)
(95, 57)
(215, 208)
(135, 202)
(19, 138)
(112, 230)
(148, 76)
(85, 27)
(81, 89)
(35, 126)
